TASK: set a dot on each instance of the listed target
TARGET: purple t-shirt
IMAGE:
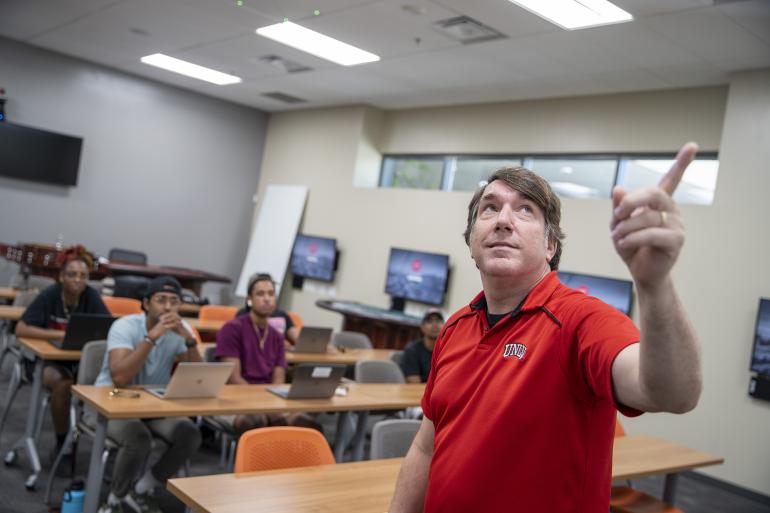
(238, 339)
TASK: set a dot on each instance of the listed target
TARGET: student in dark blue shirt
(417, 354)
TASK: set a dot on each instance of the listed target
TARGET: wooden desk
(8, 294)
(233, 399)
(349, 357)
(205, 326)
(367, 486)
(42, 350)
(11, 313)
(189, 309)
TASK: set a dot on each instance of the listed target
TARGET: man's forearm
(27, 330)
(412, 480)
(126, 368)
(669, 355)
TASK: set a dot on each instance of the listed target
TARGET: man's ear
(550, 248)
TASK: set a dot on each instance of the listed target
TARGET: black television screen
(760, 355)
(417, 276)
(617, 293)
(38, 155)
(314, 257)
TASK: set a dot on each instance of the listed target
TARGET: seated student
(141, 349)
(278, 319)
(417, 354)
(257, 351)
(47, 318)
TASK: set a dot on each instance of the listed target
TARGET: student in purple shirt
(257, 352)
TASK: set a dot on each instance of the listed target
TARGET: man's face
(263, 298)
(74, 277)
(432, 327)
(508, 239)
(161, 303)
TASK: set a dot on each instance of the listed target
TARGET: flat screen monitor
(314, 257)
(760, 355)
(417, 276)
(617, 293)
(38, 155)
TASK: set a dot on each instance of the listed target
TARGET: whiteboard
(273, 235)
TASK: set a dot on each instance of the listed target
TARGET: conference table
(367, 486)
(43, 351)
(233, 399)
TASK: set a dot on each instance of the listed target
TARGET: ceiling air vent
(284, 65)
(466, 30)
(283, 97)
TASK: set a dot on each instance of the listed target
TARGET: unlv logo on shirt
(515, 349)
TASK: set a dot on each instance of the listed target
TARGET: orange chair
(624, 499)
(120, 306)
(274, 448)
(217, 313)
(296, 319)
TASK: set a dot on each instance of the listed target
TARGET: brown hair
(73, 253)
(536, 189)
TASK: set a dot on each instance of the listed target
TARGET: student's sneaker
(111, 508)
(142, 502)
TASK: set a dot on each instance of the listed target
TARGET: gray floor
(693, 495)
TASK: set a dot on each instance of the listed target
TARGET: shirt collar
(535, 300)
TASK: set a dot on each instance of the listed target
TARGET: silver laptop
(313, 339)
(312, 381)
(194, 380)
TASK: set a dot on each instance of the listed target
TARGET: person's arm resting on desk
(662, 372)
(413, 478)
(26, 330)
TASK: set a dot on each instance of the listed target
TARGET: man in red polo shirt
(526, 380)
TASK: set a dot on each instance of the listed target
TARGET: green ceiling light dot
(239, 3)
(317, 12)
(285, 19)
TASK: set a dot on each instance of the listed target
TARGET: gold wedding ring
(663, 217)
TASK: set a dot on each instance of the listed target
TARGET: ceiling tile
(23, 19)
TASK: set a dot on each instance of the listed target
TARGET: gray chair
(128, 256)
(378, 371)
(221, 430)
(392, 438)
(397, 357)
(36, 282)
(351, 340)
(8, 342)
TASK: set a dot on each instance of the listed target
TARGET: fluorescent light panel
(316, 44)
(189, 69)
(576, 14)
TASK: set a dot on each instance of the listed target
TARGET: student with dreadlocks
(47, 318)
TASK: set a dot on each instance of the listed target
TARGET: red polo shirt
(524, 412)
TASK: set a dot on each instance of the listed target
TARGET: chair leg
(223, 450)
(69, 441)
(43, 407)
(231, 455)
(13, 388)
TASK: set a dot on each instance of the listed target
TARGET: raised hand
(646, 226)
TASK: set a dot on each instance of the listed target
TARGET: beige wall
(325, 149)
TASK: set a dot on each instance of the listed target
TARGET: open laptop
(313, 339)
(194, 380)
(83, 328)
(312, 381)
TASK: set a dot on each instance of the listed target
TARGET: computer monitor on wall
(314, 257)
(416, 276)
(614, 292)
(760, 354)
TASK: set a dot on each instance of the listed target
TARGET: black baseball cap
(163, 284)
(432, 313)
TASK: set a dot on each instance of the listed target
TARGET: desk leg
(27, 441)
(341, 437)
(95, 468)
(669, 488)
(360, 435)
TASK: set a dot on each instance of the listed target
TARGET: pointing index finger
(671, 179)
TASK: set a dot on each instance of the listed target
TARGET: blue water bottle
(73, 498)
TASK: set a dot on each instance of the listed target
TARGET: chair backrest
(217, 313)
(128, 285)
(351, 340)
(91, 359)
(128, 256)
(25, 297)
(119, 306)
(378, 371)
(208, 354)
(97, 285)
(36, 282)
(296, 319)
(392, 438)
(275, 448)
(619, 431)
(397, 357)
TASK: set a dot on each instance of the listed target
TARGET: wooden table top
(367, 486)
(234, 399)
(47, 351)
(8, 293)
(11, 313)
(349, 357)
(204, 326)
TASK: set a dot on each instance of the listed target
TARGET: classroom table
(367, 486)
(8, 294)
(347, 357)
(233, 399)
(43, 351)
(11, 313)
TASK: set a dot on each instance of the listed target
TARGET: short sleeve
(122, 335)
(410, 363)
(229, 340)
(37, 313)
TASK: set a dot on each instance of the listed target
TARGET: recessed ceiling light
(576, 14)
(316, 44)
(189, 69)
